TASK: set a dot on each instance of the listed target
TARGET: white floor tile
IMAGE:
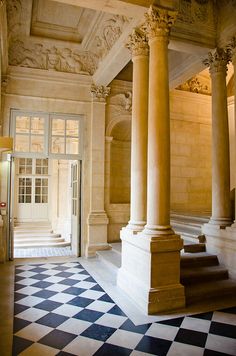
(162, 331)
(39, 350)
(221, 344)
(92, 294)
(28, 281)
(83, 346)
(101, 306)
(62, 297)
(26, 267)
(79, 277)
(111, 320)
(74, 270)
(51, 272)
(67, 310)
(196, 324)
(222, 317)
(32, 314)
(34, 332)
(178, 349)
(27, 274)
(125, 338)
(85, 285)
(29, 290)
(54, 279)
(74, 326)
(30, 301)
(57, 287)
(139, 353)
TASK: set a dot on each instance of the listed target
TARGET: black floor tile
(154, 346)
(42, 284)
(223, 329)
(48, 305)
(107, 349)
(116, 311)
(57, 339)
(191, 337)
(45, 294)
(19, 345)
(68, 282)
(20, 324)
(80, 302)
(88, 315)
(52, 320)
(140, 329)
(98, 332)
(74, 290)
(172, 322)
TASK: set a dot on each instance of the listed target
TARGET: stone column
(150, 271)
(221, 207)
(232, 52)
(97, 219)
(139, 48)
(158, 194)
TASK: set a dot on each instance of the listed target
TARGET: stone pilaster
(221, 207)
(150, 272)
(139, 49)
(97, 219)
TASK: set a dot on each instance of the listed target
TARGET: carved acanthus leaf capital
(158, 21)
(231, 48)
(100, 92)
(217, 61)
(137, 43)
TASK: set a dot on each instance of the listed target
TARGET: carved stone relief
(193, 11)
(217, 60)
(108, 34)
(122, 102)
(195, 85)
(100, 92)
(37, 55)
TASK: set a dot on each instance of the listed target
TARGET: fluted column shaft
(221, 209)
(158, 22)
(139, 49)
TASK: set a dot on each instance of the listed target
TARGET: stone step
(111, 258)
(35, 234)
(210, 290)
(198, 219)
(201, 274)
(198, 259)
(38, 240)
(194, 247)
(42, 244)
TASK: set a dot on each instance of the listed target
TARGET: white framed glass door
(75, 213)
(32, 189)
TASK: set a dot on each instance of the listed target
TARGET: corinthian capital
(100, 92)
(137, 43)
(231, 48)
(159, 21)
(217, 61)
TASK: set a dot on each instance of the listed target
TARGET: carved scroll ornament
(100, 92)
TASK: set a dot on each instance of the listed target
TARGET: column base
(158, 230)
(97, 233)
(150, 272)
(222, 223)
(135, 226)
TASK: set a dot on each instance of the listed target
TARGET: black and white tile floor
(61, 310)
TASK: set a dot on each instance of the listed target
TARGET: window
(41, 190)
(47, 135)
(25, 189)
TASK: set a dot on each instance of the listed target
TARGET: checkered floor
(61, 310)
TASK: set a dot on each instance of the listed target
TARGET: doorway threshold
(42, 252)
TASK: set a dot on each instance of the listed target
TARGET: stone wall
(190, 152)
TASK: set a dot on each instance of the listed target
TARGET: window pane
(58, 127)
(37, 190)
(38, 182)
(38, 170)
(44, 199)
(45, 170)
(28, 199)
(29, 161)
(37, 198)
(58, 145)
(45, 190)
(22, 143)
(28, 170)
(22, 170)
(37, 125)
(28, 190)
(21, 181)
(22, 124)
(21, 199)
(28, 181)
(21, 190)
(72, 146)
(44, 182)
(72, 128)
(37, 143)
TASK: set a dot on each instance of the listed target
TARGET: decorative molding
(4, 83)
(100, 92)
(37, 55)
(14, 13)
(217, 61)
(194, 85)
(108, 34)
(193, 11)
(158, 21)
(137, 43)
(122, 102)
(231, 48)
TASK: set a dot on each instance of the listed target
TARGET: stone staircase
(37, 235)
(204, 279)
